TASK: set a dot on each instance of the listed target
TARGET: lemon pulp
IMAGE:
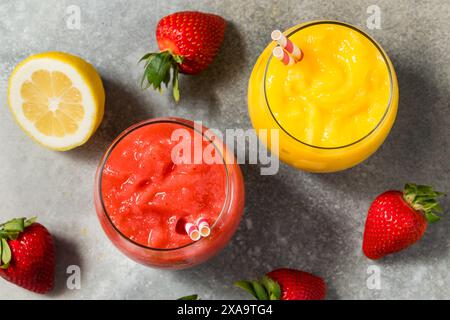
(57, 98)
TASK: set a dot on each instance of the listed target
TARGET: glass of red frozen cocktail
(152, 184)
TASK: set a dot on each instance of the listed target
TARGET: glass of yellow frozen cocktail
(335, 107)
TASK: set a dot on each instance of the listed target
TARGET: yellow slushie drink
(335, 107)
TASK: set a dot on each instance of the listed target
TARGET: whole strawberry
(286, 284)
(396, 219)
(188, 41)
(27, 255)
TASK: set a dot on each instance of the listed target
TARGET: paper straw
(283, 56)
(192, 231)
(287, 44)
(203, 227)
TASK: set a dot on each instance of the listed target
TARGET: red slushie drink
(157, 178)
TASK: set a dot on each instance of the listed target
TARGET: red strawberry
(286, 284)
(396, 219)
(188, 41)
(27, 255)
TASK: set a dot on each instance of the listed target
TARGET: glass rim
(124, 134)
(385, 59)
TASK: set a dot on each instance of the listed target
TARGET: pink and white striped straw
(203, 227)
(287, 44)
(192, 231)
(283, 56)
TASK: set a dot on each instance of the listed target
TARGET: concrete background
(295, 219)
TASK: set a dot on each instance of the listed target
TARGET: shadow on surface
(407, 153)
(200, 91)
(67, 254)
(289, 229)
(122, 109)
(279, 229)
(431, 248)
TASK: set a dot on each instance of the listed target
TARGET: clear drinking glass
(194, 252)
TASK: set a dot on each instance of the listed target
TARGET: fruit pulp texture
(334, 97)
(148, 197)
(52, 103)
(337, 94)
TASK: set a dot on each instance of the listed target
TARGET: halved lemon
(57, 99)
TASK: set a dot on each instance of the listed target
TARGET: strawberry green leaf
(190, 297)
(273, 297)
(259, 290)
(247, 286)
(425, 199)
(146, 56)
(13, 235)
(9, 235)
(176, 90)
(157, 71)
(431, 217)
(264, 289)
(272, 287)
(178, 59)
(29, 222)
(12, 228)
(15, 225)
(6, 254)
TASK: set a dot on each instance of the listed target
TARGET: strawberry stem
(424, 198)
(10, 230)
(157, 70)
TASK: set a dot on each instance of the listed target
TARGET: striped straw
(203, 227)
(283, 56)
(192, 231)
(287, 44)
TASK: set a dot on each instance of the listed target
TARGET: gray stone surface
(296, 219)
